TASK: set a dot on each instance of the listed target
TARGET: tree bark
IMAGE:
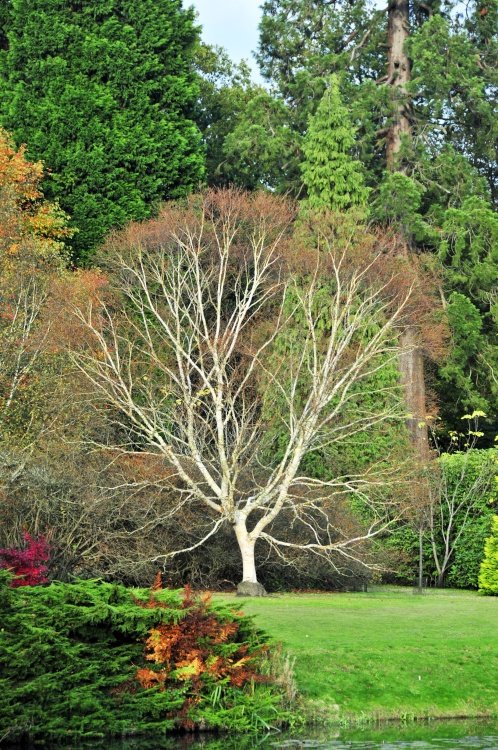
(399, 74)
(249, 585)
(420, 558)
(411, 364)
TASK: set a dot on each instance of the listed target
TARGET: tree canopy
(103, 93)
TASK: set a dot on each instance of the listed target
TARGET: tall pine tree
(425, 107)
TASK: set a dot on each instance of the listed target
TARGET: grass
(389, 654)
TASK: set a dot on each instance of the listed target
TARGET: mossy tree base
(250, 588)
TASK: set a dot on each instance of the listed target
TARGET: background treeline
(127, 108)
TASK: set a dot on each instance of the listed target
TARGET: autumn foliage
(28, 223)
(28, 564)
(69, 655)
(200, 648)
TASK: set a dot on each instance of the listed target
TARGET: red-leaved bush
(27, 565)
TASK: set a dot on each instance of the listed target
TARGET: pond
(434, 735)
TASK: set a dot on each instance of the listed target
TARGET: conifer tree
(332, 177)
(103, 93)
(430, 119)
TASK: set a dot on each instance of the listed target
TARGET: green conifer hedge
(73, 656)
(103, 92)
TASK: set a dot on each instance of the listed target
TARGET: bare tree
(189, 360)
(21, 339)
(459, 484)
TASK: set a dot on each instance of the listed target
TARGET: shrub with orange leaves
(77, 647)
(200, 649)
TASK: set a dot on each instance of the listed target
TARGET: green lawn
(390, 653)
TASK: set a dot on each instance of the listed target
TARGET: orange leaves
(149, 679)
(69, 292)
(163, 642)
(225, 632)
(21, 176)
(28, 223)
(200, 646)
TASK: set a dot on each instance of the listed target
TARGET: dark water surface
(435, 735)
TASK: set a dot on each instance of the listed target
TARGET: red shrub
(28, 564)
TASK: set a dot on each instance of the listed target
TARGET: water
(461, 735)
(435, 735)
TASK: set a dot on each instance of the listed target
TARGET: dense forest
(249, 331)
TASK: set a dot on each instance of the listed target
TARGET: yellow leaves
(188, 669)
(27, 221)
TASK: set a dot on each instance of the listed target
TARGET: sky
(232, 24)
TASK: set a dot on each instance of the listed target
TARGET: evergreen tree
(431, 120)
(103, 93)
(332, 177)
(488, 577)
(450, 98)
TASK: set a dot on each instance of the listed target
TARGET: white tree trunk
(249, 585)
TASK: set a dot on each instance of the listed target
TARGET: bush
(470, 481)
(470, 493)
(27, 565)
(488, 576)
(74, 664)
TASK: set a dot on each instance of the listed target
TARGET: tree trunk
(399, 73)
(249, 585)
(420, 558)
(411, 364)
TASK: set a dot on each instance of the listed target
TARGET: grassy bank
(389, 653)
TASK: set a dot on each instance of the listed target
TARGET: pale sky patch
(232, 24)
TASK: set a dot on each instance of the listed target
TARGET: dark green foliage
(455, 82)
(469, 482)
(69, 655)
(464, 572)
(468, 249)
(465, 364)
(488, 576)
(236, 152)
(103, 93)
(398, 202)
